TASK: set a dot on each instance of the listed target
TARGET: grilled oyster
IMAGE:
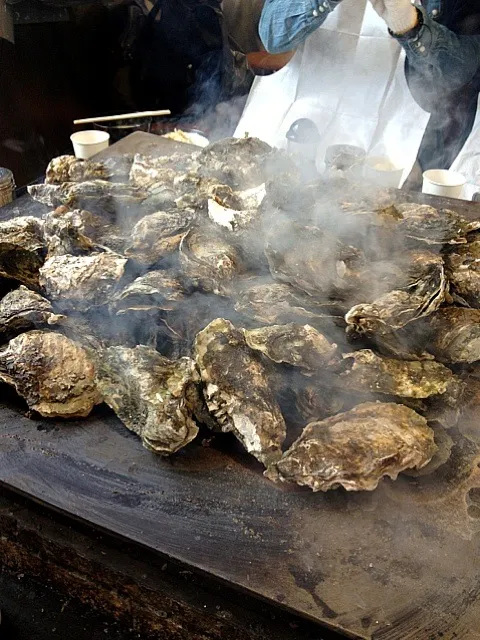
(209, 260)
(81, 282)
(158, 235)
(157, 290)
(456, 335)
(22, 248)
(270, 302)
(421, 293)
(66, 231)
(21, 310)
(356, 449)
(52, 373)
(237, 392)
(428, 225)
(72, 169)
(295, 344)
(110, 200)
(463, 271)
(156, 398)
(366, 371)
(239, 162)
(147, 171)
(196, 190)
(324, 267)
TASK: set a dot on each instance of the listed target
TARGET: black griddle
(400, 563)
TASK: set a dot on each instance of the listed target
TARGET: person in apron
(350, 76)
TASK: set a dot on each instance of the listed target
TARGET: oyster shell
(65, 231)
(239, 162)
(456, 335)
(110, 200)
(208, 260)
(294, 344)
(22, 310)
(356, 449)
(22, 248)
(463, 271)
(81, 282)
(159, 290)
(278, 303)
(323, 267)
(71, 169)
(158, 235)
(422, 292)
(54, 375)
(433, 226)
(147, 171)
(237, 392)
(366, 371)
(154, 397)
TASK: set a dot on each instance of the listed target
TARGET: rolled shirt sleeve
(284, 24)
(439, 61)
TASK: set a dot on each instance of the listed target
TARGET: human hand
(400, 15)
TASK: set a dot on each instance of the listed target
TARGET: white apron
(348, 77)
(468, 160)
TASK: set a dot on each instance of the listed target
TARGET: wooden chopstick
(125, 116)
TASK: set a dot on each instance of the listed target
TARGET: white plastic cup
(87, 143)
(443, 182)
(383, 171)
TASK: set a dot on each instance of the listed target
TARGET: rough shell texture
(298, 345)
(324, 266)
(421, 294)
(456, 335)
(81, 281)
(356, 449)
(156, 398)
(463, 271)
(147, 171)
(72, 169)
(367, 371)
(209, 260)
(22, 247)
(67, 232)
(433, 226)
(237, 390)
(239, 162)
(155, 290)
(22, 310)
(158, 235)
(54, 375)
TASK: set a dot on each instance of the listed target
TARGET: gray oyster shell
(154, 397)
(323, 267)
(147, 171)
(81, 282)
(356, 449)
(366, 371)
(158, 290)
(463, 271)
(237, 390)
(22, 310)
(294, 344)
(428, 225)
(22, 247)
(422, 292)
(157, 235)
(455, 335)
(71, 169)
(52, 373)
(67, 232)
(209, 260)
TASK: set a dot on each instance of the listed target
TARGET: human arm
(284, 24)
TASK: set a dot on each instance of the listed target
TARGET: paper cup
(443, 182)
(87, 143)
(383, 171)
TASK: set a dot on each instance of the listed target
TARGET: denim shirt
(442, 62)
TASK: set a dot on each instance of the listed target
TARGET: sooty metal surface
(399, 563)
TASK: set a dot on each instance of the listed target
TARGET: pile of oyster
(334, 333)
